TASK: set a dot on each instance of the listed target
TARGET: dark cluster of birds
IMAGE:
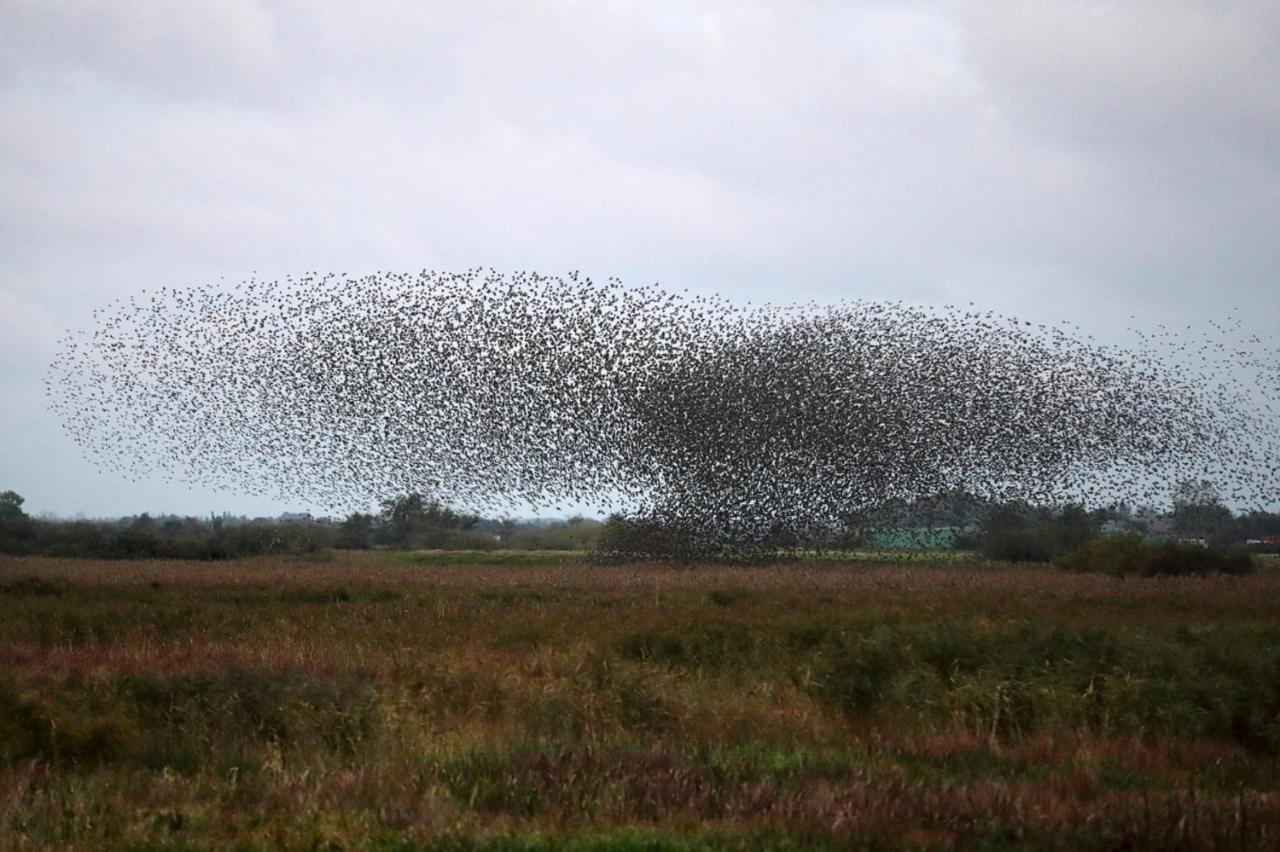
(488, 391)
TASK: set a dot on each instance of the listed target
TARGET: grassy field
(524, 558)
(401, 702)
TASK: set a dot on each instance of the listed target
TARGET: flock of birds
(489, 391)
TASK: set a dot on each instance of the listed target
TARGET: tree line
(1012, 532)
(406, 522)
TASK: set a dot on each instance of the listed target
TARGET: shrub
(1171, 560)
(648, 539)
(1026, 545)
(624, 539)
(356, 532)
(576, 533)
(1010, 536)
(1127, 554)
(144, 539)
(1119, 554)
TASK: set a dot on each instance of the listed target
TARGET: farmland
(400, 701)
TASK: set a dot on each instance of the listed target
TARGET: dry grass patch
(363, 702)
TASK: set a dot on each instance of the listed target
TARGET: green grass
(1267, 561)
(535, 558)
(543, 558)
(921, 556)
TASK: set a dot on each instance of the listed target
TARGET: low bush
(1023, 545)
(622, 540)
(1128, 554)
(148, 540)
(573, 534)
(646, 539)
(1010, 537)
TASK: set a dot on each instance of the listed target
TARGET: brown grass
(357, 702)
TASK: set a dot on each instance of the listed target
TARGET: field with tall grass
(377, 701)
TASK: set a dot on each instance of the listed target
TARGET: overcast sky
(1073, 160)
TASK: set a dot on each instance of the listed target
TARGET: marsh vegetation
(371, 700)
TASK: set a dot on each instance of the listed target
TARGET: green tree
(11, 506)
(413, 521)
(1198, 511)
(1019, 533)
(356, 532)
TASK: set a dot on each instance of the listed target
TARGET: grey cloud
(1137, 78)
(1038, 158)
(213, 50)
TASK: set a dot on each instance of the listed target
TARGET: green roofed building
(919, 538)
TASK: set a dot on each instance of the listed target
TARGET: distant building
(920, 538)
(296, 518)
